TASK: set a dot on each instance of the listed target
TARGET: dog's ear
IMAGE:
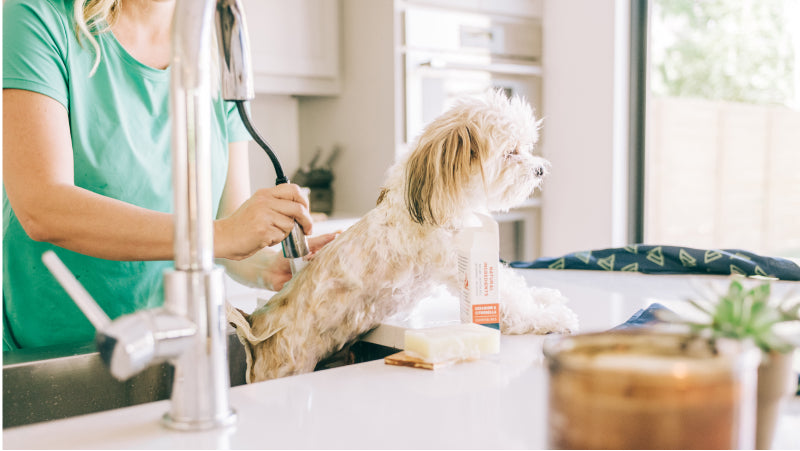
(449, 154)
(237, 318)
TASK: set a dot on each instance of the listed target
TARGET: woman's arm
(38, 175)
(39, 180)
(266, 268)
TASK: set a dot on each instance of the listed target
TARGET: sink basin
(57, 382)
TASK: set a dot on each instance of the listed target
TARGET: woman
(87, 168)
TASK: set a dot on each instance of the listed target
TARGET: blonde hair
(93, 17)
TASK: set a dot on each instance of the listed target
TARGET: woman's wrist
(263, 270)
(221, 247)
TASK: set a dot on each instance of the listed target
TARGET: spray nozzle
(236, 77)
(295, 245)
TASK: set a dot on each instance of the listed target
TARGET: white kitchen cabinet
(294, 46)
(517, 8)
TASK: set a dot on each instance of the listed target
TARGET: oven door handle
(495, 68)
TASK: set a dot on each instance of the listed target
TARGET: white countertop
(496, 402)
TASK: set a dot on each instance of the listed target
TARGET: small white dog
(477, 155)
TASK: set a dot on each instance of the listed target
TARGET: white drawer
(447, 31)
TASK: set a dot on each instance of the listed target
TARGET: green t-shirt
(121, 141)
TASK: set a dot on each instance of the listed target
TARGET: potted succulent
(751, 313)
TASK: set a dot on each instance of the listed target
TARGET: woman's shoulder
(55, 13)
(36, 45)
(60, 6)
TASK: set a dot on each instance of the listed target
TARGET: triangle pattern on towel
(710, 256)
(585, 256)
(656, 256)
(686, 258)
(607, 263)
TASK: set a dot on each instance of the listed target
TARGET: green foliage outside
(733, 50)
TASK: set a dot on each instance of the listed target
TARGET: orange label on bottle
(485, 313)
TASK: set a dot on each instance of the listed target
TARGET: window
(722, 138)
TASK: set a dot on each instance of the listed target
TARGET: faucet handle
(132, 342)
(76, 291)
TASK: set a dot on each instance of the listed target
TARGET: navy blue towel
(649, 316)
(643, 317)
(652, 259)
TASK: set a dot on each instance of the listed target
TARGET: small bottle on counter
(478, 266)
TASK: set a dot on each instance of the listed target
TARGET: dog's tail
(244, 331)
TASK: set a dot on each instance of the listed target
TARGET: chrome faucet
(190, 329)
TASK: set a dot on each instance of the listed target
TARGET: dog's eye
(514, 151)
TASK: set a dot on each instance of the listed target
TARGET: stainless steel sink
(63, 381)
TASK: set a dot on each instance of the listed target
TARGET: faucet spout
(189, 330)
(191, 115)
(195, 287)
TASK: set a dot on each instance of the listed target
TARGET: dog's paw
(533, 310)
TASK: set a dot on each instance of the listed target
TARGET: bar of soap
(453, 342)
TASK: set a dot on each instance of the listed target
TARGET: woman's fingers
(317, 242)
(289, 191)
(288, 200)
(263, 220)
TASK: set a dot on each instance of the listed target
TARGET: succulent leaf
(742, 314)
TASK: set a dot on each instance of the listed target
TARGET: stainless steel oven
(448, 54)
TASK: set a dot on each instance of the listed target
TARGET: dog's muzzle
(538, 171)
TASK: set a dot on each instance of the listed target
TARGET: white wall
(362, 118)
(584, 133)
(276, 119)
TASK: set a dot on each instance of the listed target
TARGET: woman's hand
(279, 271)
(265, 219)
(269, 269)
(247, 225)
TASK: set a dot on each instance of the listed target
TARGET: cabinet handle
(496, 68)
(477, 33)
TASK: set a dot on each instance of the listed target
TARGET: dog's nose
(538, 171)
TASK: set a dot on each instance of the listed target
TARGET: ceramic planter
(776, 381)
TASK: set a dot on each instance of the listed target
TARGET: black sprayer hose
(281, 178)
